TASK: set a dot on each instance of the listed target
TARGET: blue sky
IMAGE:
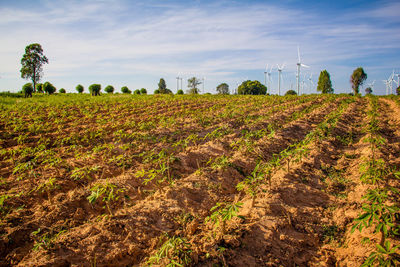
(135, 43)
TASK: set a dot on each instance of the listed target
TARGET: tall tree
(324, 83)
(368, 90)
(252, 88)
(357, 79)
(223, 89)
(162, 86)
(192, 85)
(32, 62)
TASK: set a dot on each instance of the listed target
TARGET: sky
(135, 43)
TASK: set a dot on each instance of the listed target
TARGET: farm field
(199, 180)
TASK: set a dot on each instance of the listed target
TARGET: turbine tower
(311, 82)
(269, 79)
(203, 83)
(265, 76)
(279, 77)
(299, 65)
(177, 83)
(386, 82)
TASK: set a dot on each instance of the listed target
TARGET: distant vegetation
(109, 89)
(357, 79)
(223, 89)
(79, 88)
(324, 83)
(252, 88)
(291, 92)
(32, 62)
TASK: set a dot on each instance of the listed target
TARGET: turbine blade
(305, 66)
(298, 53)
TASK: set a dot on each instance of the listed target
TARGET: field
(199, 180)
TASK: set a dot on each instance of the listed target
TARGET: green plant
(27, 89)
(95, 89)
(386, 255)
(109, 89)
(251, 184)
(47, 187)
(125, 90)
(175, 251)
(223, 212)
(62, 91)
(49, 88)
(109, 191)
(79, 88)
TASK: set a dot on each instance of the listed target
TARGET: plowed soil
(56, 151)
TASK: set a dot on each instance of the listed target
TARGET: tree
(125, 90)
(62, 91)
(48, 88)
(368, 90)
(143, 91)
(27, 89)
(109, 89)
(223, 89)
(95, 89)
(39, 88)
(162, 86)
(180, 92)
(156, 92)
(398, 90)
(32, 62)
(136, 92)
(324, 83)
(252, 88)
(291, 92)
(79, 88)
(357, 79)
(192, 85)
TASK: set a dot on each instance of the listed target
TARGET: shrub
(143, 91)
(27, 89)
(291, 92)
(109, 89)
(156, 91)
(125, 90)
(79, 88)
(136, 92)
(95, 89)
(252, 88)
(49, 88)
(62, 91)
(39, 88)
(180, 92)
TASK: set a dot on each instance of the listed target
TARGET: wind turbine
(279, 77)
(269, 79)
(371, 84)
(311, 82)
(265, 75)
(177, 83)
(299, 65)
(386, 82)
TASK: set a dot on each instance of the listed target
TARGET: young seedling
(251, 183)
(223, 212)
(109, 191)
(175, 251)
